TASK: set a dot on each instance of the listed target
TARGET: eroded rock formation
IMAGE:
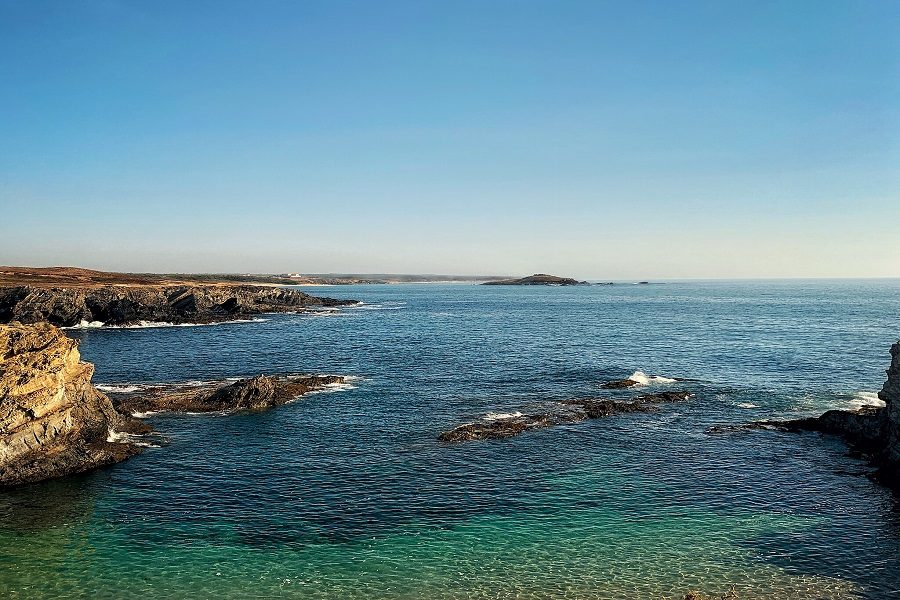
(53, 422)
(124, 305)
(568, 411)
(257, 393)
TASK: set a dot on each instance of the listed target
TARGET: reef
(132, 304)
(538, 279)
(256, 393)
(53, 422)
(567, 411)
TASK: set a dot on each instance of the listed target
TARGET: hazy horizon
(598, 140)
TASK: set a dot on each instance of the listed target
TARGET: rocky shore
(874, 431)
(256, 393)
(126, 305)
(53, 422)
(567, 411)
(538, 279)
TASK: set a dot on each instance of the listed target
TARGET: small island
(538, 279)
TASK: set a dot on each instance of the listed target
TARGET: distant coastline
(79, 277)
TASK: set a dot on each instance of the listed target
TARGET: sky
(602, 140)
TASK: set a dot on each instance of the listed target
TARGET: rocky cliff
(53, 422)
(890, 393)
(123, 305)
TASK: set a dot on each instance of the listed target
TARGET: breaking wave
(861, 399)
(644, 379)
(157, 324)
(499, 416)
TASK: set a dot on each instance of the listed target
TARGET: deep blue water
(349, 495)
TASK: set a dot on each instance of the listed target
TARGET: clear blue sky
(595, 139)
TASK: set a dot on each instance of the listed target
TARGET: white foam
(323, 313)
(157, 324)
(128, 388)
(861, 399)
(86, 325)
(381, 306)
(498, 416)
(332, 387)
(747, 405)
(123, 388)
(644, 379)
(128, 438)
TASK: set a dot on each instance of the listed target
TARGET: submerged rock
(729, 595)
(125, 305)
(256, 393)
(53, 422)
(568, 411)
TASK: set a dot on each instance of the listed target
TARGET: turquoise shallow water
(349, 495)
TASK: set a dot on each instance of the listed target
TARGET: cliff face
(122, 305)
(53, 422)
(890, 393)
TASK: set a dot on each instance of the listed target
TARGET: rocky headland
(874, 431)
(53, 422)
(538, 279)
(567, 411)
(131, 304)
(256, 393)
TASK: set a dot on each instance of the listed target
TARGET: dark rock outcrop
(620, 384)
(595, 408)
(502, 427)
(890, 394)
(538, 279)
(872, 430)
(53, 422)
(124, 305)
(569, 411)
(257, 393)
(864, 428)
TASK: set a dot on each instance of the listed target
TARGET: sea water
(349, 494)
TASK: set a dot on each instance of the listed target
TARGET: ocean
(348, 494)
